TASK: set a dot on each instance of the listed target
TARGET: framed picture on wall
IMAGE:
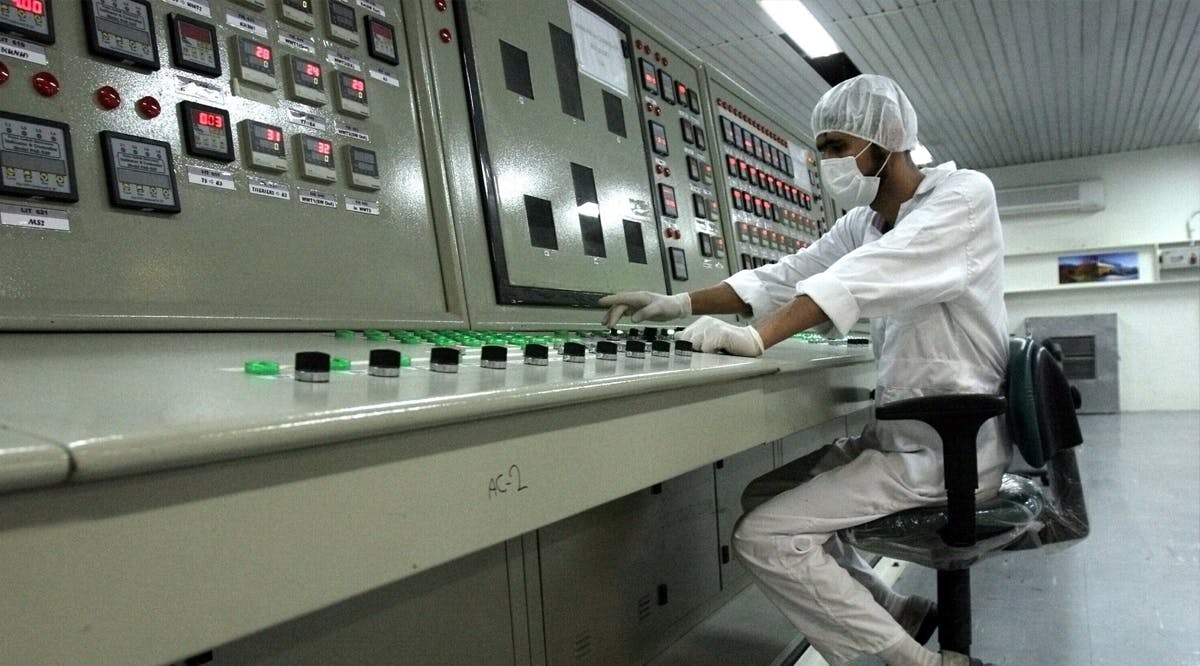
(1106, 267)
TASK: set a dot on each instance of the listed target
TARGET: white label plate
(35, 217)
(22, 50)
(198, 175)
(385, 76)
(198, 6)
(248, 23)
(270, 188)
(317, 198)
(362, 206)
(298, 42)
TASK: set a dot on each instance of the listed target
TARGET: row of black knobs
(313, 366)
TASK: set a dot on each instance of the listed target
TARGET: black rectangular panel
(666, 200)
(635, 244)
(566, 69)
(589, 222)
(658, 139)
(688, 130)
(614, 113)
(706, 244)
(516, 69)
(540, 216)
(649, 75)
(666, 86)
(679, 269)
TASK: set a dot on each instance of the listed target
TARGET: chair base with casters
(1028, 512)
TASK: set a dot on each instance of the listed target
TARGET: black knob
(443, 359)
(633, 333)
(574, 352)
(312, 366)
(536, 354)
(660, 348)
(650, 333)
(494, 357)
(384, 363)
(606, 350)
(635, 349)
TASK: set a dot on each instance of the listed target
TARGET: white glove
(646, 305)
(709, 334)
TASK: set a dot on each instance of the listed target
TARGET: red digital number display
(312, 70)
(358, 85)
(274, 135)
(31, 6)
(324, 147)
(262, 53)
(206, 119)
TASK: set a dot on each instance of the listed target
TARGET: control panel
(568, 207)
(213, 164)
(685, 193)
(768, 177)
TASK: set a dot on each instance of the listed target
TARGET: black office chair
(1035, 507)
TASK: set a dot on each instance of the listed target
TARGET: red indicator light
(206, 119)
(3, 73)
(262, 53)
(312, 69)
(324, 148)
(46, 84)
(149, 107)
(108, 97)
(273, 135)
(31, 6)
(444, 35)
(358, 85)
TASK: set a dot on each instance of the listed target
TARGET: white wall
(1150, 195)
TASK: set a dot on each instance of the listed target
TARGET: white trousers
(788, 542)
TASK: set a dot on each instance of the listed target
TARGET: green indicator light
(406, 361)
(376, 336)
(344, 334)
(262, 368)
(339, 363)
(473, 343)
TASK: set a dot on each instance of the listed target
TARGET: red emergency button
(3, 73)
(46, 84)
(108, 97)
(149, 107)
(444, 35)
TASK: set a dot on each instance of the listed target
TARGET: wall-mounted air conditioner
(1084, 197)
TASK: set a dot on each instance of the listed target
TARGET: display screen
(317, 151)
(140, 172)
(194, 47)
(667, 86)
(122, 30)
(343, 16)
(31, 18)
(649, 75)
(352, 87)
(266, 139)
(36, 7)
(207, 131)
(382, 44)
(256, 56)
(35, 158)
(307, 73)
(364, 162)
(666, 196)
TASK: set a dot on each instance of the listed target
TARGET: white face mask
(847, 184)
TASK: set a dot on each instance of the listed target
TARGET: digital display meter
(206, 131)
(140, 173)
(343, 23)
(264, 146)
(297, 12)
(256, 62)
(122, 30)
(194, 45)
(36, 159)
(364, 168)
(352, 95)
(316, 158)
(306, 82)
(381, 40)
(29, 18)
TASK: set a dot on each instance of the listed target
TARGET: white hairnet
(869, 107)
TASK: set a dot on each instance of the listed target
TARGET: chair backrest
(1041, 409)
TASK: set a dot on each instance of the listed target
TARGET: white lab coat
(932, 287)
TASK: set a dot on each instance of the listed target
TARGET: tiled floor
(1128, 595)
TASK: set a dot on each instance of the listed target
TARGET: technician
(919, 253)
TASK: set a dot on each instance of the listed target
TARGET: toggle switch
(574, 352)
(660, 348)
(444, 359)
(312, 366)
(384, 363)
(495, 357)
(635, 349)
(536, 354)
(683, 348)
(606, 350)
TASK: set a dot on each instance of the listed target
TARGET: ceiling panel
(994, 82)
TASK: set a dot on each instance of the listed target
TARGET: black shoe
(928, 626)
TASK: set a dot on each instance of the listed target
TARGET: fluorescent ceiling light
(920, 155)
(801, 26)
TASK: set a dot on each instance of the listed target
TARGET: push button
(537, 354)
(444, 359)
(383, 363)
(574, 352)
(606, 350)
(494, 357)
(312, 367)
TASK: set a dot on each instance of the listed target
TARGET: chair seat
(913, 535)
